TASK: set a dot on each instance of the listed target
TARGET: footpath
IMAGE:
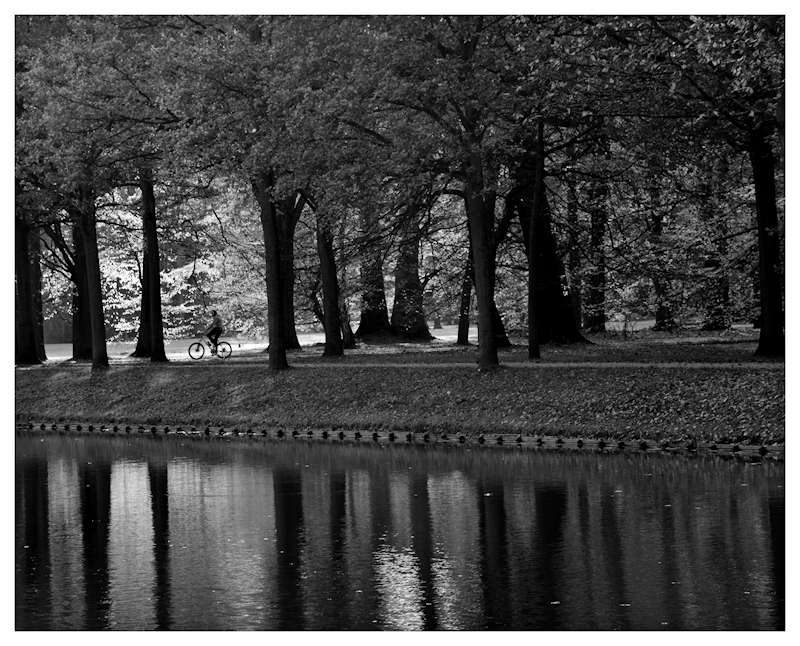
(343, 364)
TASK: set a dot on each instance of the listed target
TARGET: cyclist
(214, 330)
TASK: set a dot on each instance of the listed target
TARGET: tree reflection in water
(209, 534)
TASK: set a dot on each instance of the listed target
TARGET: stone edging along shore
(746, 451)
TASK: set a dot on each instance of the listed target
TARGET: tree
(82, 155)
(152, 263)
(439, 69)
(28, 346)
(84, 212)
(408, 318)
(374, 311)
(263, 186)
(332, 321)
(731, 69)
(567, 139)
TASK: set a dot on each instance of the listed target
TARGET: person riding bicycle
(214, 330)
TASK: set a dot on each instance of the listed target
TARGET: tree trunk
(554, 309)
(716, 298)
(36, 286)
(408, 318)
(596, 301)
(498, 235)
(262, 188)
(153, 274)
(771, 339)
(374, 312)
(501, 339)
(481, 225)
(556, 321)
(291, 209)
(664, 319)
(348, 338)
(143, 342)
(81, 318)
(25, 346)
(536, 214)
(466, 300)
(331, 317)
(87, 225)
(755, 303)
(574, 255)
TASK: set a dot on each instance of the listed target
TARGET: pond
(138, 532)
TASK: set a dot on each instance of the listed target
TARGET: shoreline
(503, 440)
(656, 392)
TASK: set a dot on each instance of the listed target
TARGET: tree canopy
(315, 170)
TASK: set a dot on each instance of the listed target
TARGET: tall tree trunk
(771, 339)
(87, 225)
(574, 255)
(501, 339)
(25, 346)
(291, 208)
(556, 321)
(143, 341)
(466, 300)
(538, 192)
(716, 300)
(481, 225)
(81, 317)
(596, 301)
(374, 312)
(331, 317)
(664, 319)
(554, 309)
(153, 259)
(348, 338)
(755, 303)
(36, 286)
(408, 318)
(262, 188)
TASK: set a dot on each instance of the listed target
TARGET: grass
(647, 401)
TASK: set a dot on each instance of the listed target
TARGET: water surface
(140, 533)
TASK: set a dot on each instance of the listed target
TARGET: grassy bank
(647, 401)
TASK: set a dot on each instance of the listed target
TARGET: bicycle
(198, 349)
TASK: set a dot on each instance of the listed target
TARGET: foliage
(363, 114)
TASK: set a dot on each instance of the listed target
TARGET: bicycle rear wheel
(197, 350)
(224, 349)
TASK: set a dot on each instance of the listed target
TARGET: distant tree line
(538, 173)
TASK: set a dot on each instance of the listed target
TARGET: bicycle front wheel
(224, 349)
(197, 350)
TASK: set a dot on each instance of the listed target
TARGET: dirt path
(542, 365)
(514, 365)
